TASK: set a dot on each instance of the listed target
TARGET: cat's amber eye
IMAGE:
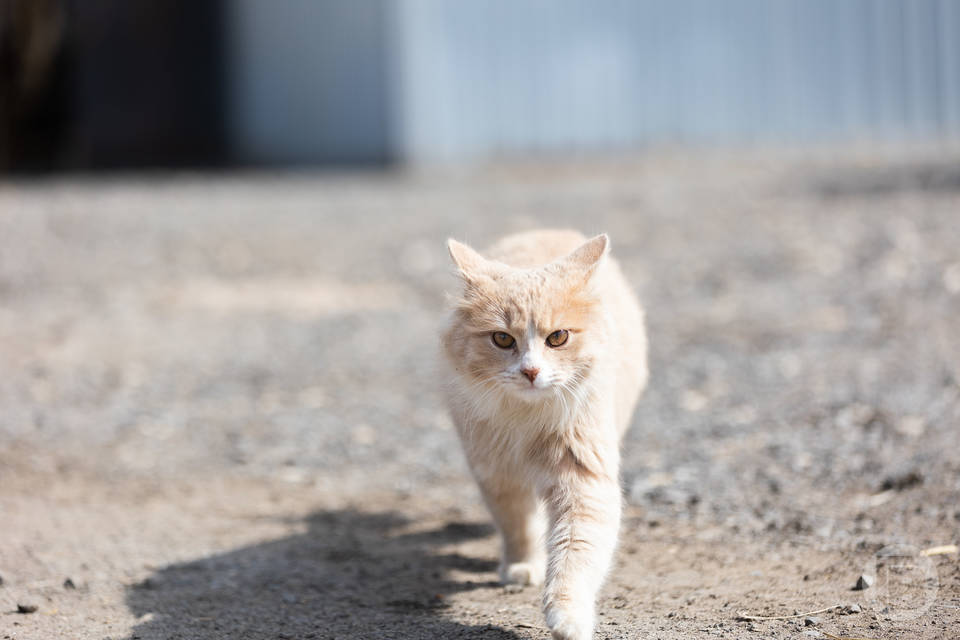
(503, 340)
(558, 338)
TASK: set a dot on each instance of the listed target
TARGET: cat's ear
(587, 257)
(470, 264)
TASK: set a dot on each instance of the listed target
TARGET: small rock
(912, 426)
(693, 400)
(856, 415)
(811, 621)
(902, 481)
(668, 496)
(152, 582)
(68, 584)
(1, 577)
(752, 627)
(864, 582)
(853, 608)
(951, 278)
(26, 608)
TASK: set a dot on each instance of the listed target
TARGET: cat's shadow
(349, 575)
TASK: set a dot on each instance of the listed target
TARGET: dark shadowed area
(350, 569)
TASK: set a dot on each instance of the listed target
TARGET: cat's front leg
(584, 514)
(515, 510)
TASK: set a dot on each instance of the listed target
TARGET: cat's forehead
(539, 302)
(521, 312)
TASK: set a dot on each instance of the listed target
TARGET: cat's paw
(569, 624)
(521, 574)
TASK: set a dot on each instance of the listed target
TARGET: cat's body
(548, 351)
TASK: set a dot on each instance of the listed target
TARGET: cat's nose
(531, 373)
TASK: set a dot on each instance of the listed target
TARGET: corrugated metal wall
(510, 77)
(426, 80)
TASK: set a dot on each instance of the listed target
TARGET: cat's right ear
(470, 264)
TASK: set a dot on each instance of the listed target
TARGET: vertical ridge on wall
(503, 77)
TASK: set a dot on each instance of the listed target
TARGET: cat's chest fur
(579, 419)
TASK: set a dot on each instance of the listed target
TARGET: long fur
(545, 449)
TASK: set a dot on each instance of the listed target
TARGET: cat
(548, 357)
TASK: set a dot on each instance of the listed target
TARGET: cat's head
(532, 333)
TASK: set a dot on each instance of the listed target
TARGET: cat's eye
(503, 340)
(558, 338)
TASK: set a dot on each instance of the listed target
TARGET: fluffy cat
(548, 353)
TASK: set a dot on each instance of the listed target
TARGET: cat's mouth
(531, 390)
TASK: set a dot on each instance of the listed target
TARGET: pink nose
(531, 373)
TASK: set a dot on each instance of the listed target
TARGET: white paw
(521, 573)
(570, 625)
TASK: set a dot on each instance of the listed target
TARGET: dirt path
(219, 419)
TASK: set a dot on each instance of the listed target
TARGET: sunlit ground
(219, 413)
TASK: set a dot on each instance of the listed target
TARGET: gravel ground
(219, 414)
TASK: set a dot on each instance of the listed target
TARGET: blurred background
(110, 83)
(223, 277)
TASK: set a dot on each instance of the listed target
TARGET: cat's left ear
(587, 257)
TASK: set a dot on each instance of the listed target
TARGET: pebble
(902, 481)
(864, 582)
(152, 582)
(68, 584)
(26, 608)
(853, 608)
(812, 621)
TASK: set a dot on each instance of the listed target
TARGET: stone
(864, 582)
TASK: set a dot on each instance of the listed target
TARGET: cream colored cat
(548, 351)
